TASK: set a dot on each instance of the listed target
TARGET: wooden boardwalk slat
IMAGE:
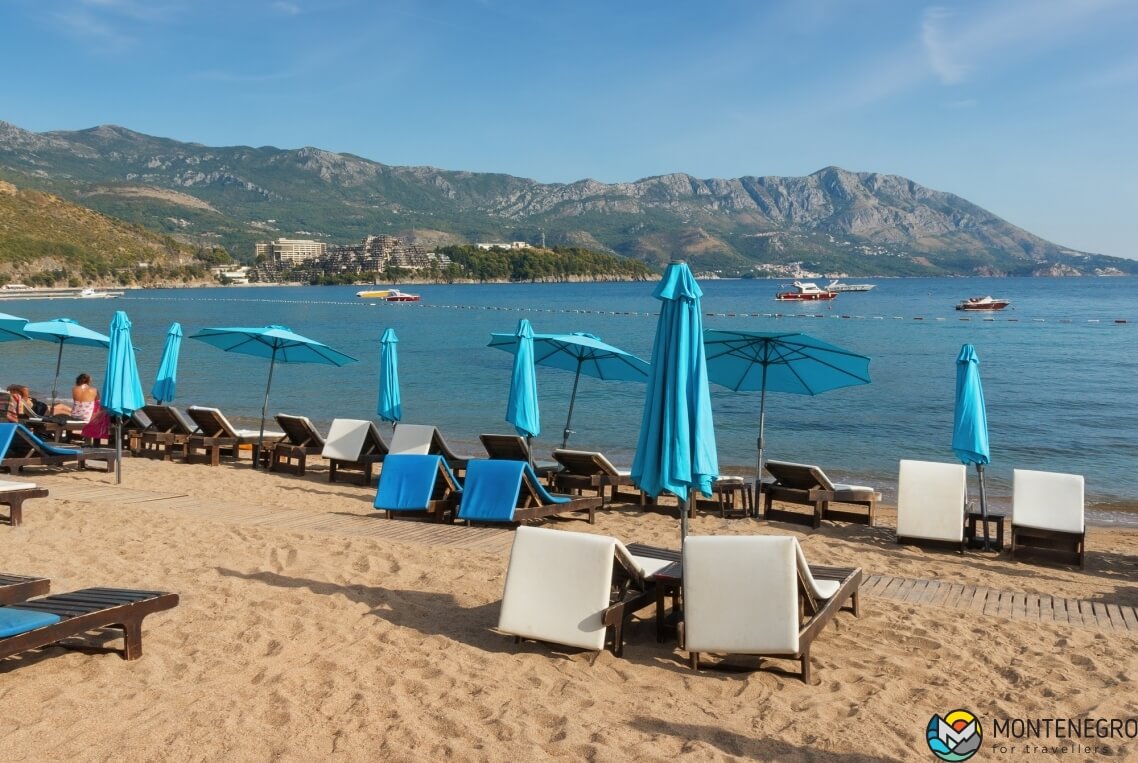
(1130, 618)
(1031, 606)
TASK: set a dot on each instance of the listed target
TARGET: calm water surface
(1058, 368)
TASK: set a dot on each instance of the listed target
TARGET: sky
(1028, 108)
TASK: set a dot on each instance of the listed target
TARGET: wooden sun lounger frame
(290, 453)
(14, 500)
(166, 436)
(374, 453)
(37, 457)
(1072, 545)
(87, 610)
(814, 615)
(583, 470)
(819, 497)
(529, 507)
(438, 509)
(17, 588)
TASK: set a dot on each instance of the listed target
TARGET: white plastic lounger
(931, 499)
(412, 438)
(353, 444)
(1048, 512)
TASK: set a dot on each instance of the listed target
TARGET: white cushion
(557, 587)
(741, 594)
(346, 439)
(1047, 500)
(412, 438)
(930, 500)
(8, 485)
(820, 589)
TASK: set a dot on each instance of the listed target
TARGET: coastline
(306, 629)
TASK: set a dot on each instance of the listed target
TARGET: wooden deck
(1099, 615)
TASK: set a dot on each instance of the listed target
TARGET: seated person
(19, 403)
(83, 398)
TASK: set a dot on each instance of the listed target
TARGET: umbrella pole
(55, 381)
(762, 424)
(529, 448)
(983, 507)
(118, 450)
(684, 500)
(572, 401)
(264, 411)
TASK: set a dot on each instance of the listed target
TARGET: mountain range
(832, 221)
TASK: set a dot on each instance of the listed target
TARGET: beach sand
(299, 644)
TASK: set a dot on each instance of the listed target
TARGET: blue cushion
(406, 481)
(47, 447)
(7, 432)
(490, 493)
(14, 620)
(543, 495)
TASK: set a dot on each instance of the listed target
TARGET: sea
(1059, 369)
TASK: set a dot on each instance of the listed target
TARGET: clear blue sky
(1028, 108)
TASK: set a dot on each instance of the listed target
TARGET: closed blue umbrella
(676, 447)
(779, 362)
(390, 406)
(278, 343)
(64, 331)
(122, 391)
(166, 383)
(581, 353)
(970, 422)
(12, 328)
(521, 408)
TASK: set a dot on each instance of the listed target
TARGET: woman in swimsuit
(83, 397)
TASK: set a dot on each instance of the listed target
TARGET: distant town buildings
(502, 245)
(290, 251)
(284, 257)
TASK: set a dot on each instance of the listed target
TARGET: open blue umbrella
(779, 362)
(122, 391)
(580, 353)
(12, 328)
(521, 408)
(390, 406)
(64, 331)
(970, 422)
(166, 383)
(278, 343)
(676, 447)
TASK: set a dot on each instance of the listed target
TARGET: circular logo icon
(955, 736)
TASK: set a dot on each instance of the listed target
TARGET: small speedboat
(836, 285)
(805, 291)
(388, 295)
(983, 304)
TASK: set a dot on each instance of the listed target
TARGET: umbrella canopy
(64, 331)
(580, 353)
(676, 447)
(521, 408)
(166, 383)
(970, 422)
(278, 343)
(390, 406)
(12, 328)
(779, 362)
(122, 391)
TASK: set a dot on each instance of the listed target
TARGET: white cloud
(941, 56)
(286, 8)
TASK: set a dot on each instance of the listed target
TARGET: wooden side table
(726, 492)
(974, 536)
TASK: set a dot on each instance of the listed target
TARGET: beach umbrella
(521, 408)
(166, 383)
(779, 362)
(390, 406)
(122, 391)
(279, 344)
(12, 328)
(970, 422)
(675, 450)
(64, 331)
(580, 353)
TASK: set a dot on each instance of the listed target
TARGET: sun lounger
(808, 485)
(417, 485)
(20, 448)
(14, 588)
(757, 595)
(13, 495)
(168, 433)
(353, 445)
(424, 438)
(216, 437)
(43, 622)
(510, 491)
(572, 588)
(1048, 512)
(512, 447)
(301, 440)
(931, 502)
(590, 470)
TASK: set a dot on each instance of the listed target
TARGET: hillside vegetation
(46, 241)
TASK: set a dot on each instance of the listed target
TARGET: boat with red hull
(983, 304)
(805, 291)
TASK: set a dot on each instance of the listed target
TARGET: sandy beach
(312, 628)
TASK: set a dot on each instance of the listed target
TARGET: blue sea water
(1059, 368)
